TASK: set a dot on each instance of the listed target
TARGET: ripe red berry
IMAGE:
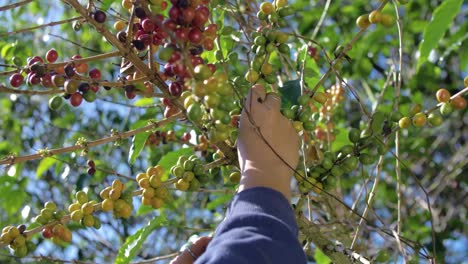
(186, 137)
(181, 34)
(33, 79)
(174, 13)
(47, 232)
(91, 171)
(34, 59)
(16, 79)
(195, 36)
(175, 89)
(95, 74)
(166, 102)
(76, 99)
(46, 81)
(148, 25)
(51, 55)
(458, 102)
(188, 14)
(91, 163)
(99, 16)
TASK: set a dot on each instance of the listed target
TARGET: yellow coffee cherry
(375, 17)
(363, 21)
(119, 25)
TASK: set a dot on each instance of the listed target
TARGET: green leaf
(321, 258)
(44, 165)
(170, 159)
(222, 199)
(434, 31)
(138, 143)
(105, 4)
(290, 91)
(134, 242)
(144, 102)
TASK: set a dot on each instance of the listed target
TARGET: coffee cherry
(363, 21)
(458, 102)
(69, 70)
(99, 16)
(443, 95)
(404, 122)
(320, 97)
(234, 177)
(87, 208)
(267, 8)
(51, 55)
(446, 108)
(47, 232)
(77, 215)
(16, 79)
(280, 3)
(387, 20)
(434, 119)
(140, 12)
(76, 99)
(375, 17)
(81, 197)
(182, 185)
(419, 119)
(465, 81)
(95, 74)
(175, 88)
(107, 205)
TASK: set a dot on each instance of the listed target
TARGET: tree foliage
(371, 185)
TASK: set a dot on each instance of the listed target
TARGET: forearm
(259, 228)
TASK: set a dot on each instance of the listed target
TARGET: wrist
(274, 177)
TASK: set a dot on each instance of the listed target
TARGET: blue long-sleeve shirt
(259, 228)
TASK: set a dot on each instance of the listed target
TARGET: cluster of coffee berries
(210, 101)
(91, 167)
(449, 104)
(301, 114)
(117, 199)
(58, 233)
(154, 192)
(266, 41)
(418, 118)
(275, 12)
(82, 210)
(374, 17)
(190, 173)
(329, 101)
(308, 183)
(49, 214)
(15, 238)
(68, 76)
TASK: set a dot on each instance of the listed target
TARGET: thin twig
(40, 26)
(369, 200)
(395, 109)
(13, 160)
(322, 18)
(15, 5)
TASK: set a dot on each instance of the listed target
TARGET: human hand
(268, 145)
(193, 251)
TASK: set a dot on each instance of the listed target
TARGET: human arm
(260, 226)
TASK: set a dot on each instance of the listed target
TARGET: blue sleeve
(259, 228)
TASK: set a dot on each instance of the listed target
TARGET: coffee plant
(119, 124)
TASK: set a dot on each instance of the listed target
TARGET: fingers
(200, 245)
(273, 101)
(195, 250)
(256, 95)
